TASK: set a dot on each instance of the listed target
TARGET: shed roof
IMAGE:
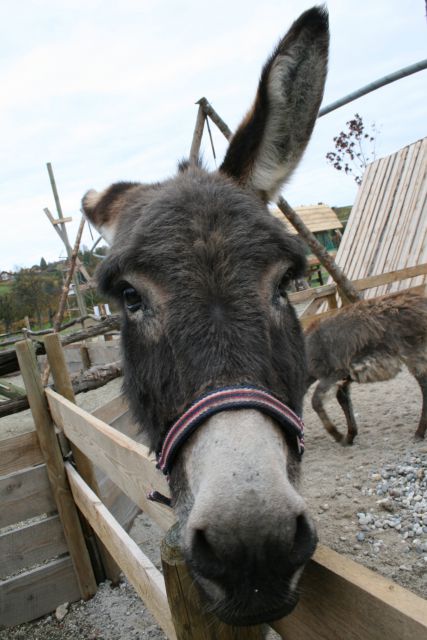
(317, 217)
(387, 228)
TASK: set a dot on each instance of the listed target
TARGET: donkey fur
(369, 341)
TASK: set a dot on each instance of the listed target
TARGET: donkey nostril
(204, 555)
(304, 542)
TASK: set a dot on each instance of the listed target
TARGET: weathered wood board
(37, 592)
(25, 494)
(30, 545)
(19, 452)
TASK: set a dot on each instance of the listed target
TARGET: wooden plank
(392, 276)
(388, 245)
(373, 218)
(19, 452)
(25, 494)
(139, 570)
(62, 220)
(55, 469)
(112, 409)
(128, 463)
(342, 599)
(306, 321)
(309, 294)
(32, 544)
(63, 384)
(37, 592)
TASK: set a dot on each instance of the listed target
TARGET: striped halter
(227, 399)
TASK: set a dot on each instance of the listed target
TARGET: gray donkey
(214, 361)
(368, 342)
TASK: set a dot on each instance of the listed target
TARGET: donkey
(214, 357)
(369, 341)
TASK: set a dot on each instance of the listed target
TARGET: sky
(106, 91)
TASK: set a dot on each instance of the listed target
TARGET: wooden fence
(36, 569)
(340, 599)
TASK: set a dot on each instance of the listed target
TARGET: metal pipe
(372, 86)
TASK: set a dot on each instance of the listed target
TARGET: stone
(62, 611)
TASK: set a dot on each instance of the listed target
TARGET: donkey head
(200, 269)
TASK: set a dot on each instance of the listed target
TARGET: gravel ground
(369, 502)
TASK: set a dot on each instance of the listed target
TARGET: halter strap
(227, 399)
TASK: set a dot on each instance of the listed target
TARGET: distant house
(324, 223)
(6, 276)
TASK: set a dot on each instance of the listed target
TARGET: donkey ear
(270, 141)
(103, 208)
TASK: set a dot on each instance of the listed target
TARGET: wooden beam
(62, 220)
(19, 452)
(9, 390)
(392, 276)
(190, 614)
(128, 463)
(342, 599)
(197, 135)
(55, 469)
(36, 592)
(31, 544)
(139, 570)
(64, 386)
(25, 494)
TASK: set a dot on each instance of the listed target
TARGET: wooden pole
(197, 135)
(80, 300)
(346, 289)
(189, 615)
(65, 290)
(63, 385)
(55, 469)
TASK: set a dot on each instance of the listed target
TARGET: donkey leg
(317, 404)
(344, 399)
(420, 432)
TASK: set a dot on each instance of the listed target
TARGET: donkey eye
(132, 299)
(280, 292)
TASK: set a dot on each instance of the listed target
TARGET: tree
(43, 264)
(8, 310)
(355, 148)
(35, 293)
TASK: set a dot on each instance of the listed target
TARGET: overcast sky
(105, 91)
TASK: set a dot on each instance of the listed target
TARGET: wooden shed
(326, 226)
(387, 228)
(320, 219)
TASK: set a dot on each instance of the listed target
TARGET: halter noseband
(227, 399)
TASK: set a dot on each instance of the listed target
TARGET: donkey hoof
(419, 437)
(338, 437)
(348, 441)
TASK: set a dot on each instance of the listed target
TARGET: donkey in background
(214, 359)
(368, 341)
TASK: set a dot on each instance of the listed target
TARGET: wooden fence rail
(340, 598)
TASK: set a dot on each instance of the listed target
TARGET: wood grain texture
(128, 463)
(139, 570)
(387, 228)
(37, 592)
(64, 386)
(19, 452)
(59, 487)
(25, 494)
(342, 600)
(30, 545)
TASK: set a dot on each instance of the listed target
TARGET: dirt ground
(369, 502)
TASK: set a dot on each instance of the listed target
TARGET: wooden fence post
(55, 469)
(63, 385)
(189, 615)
